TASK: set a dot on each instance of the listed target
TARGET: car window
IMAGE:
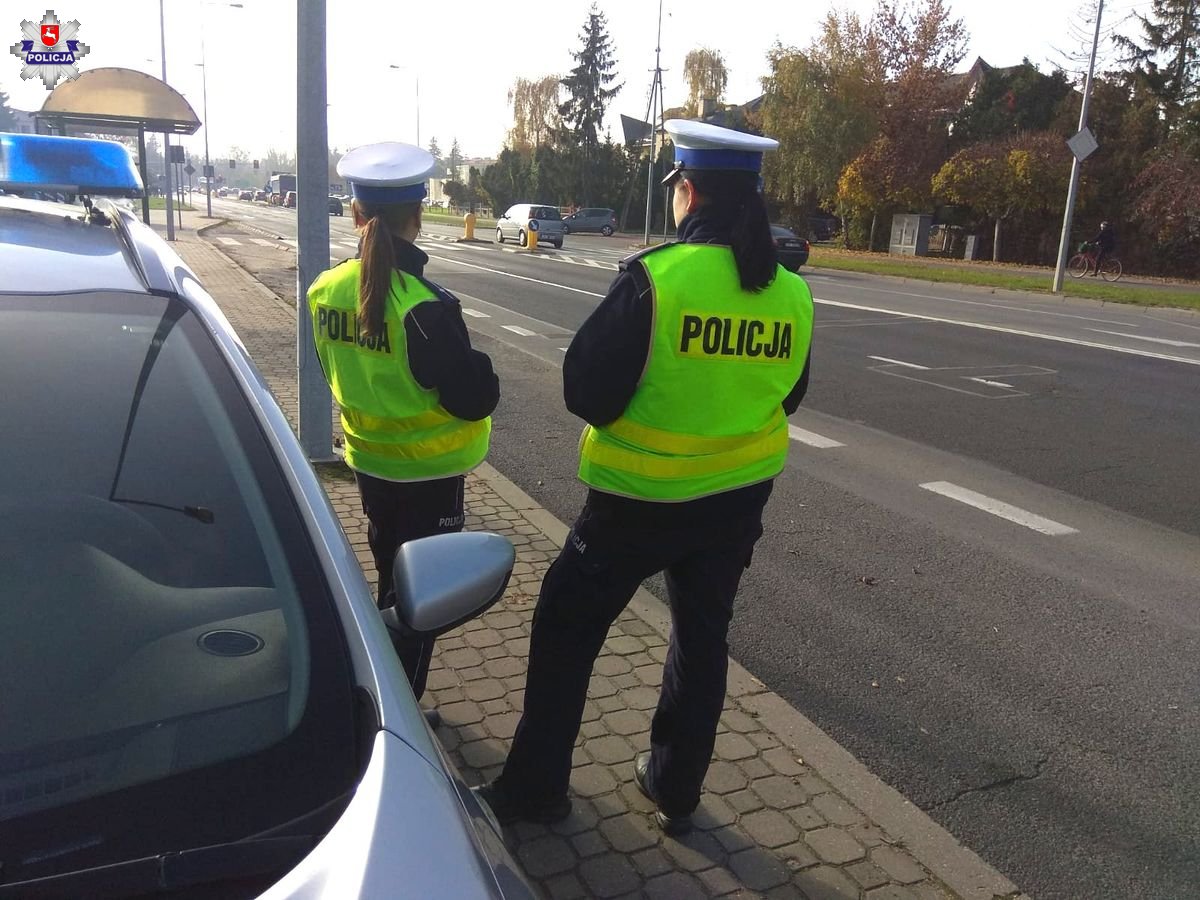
(161, 611)
(548, 213)
(781, 232)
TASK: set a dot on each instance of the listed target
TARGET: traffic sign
(210, 171)
(1083, 144)
(190, 169)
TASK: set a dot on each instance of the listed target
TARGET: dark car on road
(791, 250)
(335, 206)
(595, 220)
(199, 695)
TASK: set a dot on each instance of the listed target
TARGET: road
(981, 568)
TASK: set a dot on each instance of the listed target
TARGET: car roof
(58, 248)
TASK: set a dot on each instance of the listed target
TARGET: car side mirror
(440, 582)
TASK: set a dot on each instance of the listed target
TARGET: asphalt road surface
(981, 568)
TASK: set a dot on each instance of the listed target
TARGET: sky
(452, 65)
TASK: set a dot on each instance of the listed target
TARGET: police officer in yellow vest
(415, 397)
(685, 373)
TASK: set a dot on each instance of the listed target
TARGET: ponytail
(378, 256)
(733, 199)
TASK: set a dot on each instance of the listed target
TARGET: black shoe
(508, 809)
(433, 717)
(672, 825)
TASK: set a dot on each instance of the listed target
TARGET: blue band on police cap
(374, 193)
(739, 160)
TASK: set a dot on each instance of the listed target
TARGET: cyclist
(1105, 242)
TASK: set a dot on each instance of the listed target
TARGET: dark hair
(733, 199)
(384, 221)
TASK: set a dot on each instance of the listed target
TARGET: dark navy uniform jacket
(606, 359)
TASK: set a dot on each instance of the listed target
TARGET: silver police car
(199, 697)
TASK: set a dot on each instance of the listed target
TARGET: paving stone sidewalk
(786, 813)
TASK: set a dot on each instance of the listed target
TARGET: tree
(589, 89)
(1168, 57)
(821, 104)
(8, 122)
(1026, 173)
(454, 160)
(436, 152)
(536, 119)
(459, 193)
(1009, 101)
(1167, 205)
(706, 75)
(507, 179)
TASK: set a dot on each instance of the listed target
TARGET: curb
(958, 867)
(261, 288)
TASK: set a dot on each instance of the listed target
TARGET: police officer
(415, 397)
(685, 373)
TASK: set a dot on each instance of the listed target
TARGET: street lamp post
(162, 29)
(208, 170)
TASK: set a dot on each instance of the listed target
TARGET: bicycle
(1084, 262)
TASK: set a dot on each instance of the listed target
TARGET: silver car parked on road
(518, 220)
(200, 696)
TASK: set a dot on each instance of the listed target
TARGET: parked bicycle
(1084, 263)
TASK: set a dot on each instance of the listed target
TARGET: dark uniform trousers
(404, 511)
(607, 556)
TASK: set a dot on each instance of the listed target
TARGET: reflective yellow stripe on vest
(706, 416)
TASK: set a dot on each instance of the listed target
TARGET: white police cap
(700, 146)
(388, 172)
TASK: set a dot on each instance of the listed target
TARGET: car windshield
(780, 232)
(544, 212)
(168, 650)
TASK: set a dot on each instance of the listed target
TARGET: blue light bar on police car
(39, 162)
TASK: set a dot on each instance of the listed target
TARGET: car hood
(405, 824)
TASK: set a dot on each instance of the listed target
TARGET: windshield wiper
(169, 871)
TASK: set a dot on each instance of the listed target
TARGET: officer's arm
(606, 359)
(441, 358)
(791, 402)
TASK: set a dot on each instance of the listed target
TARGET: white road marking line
(812, 438)
(564, 287)
(263, 242)
(230, 242)
(899, 362)
(517, 329)
(1142, 337)
(1132, 351)
(999, 508)
(1027, 309)
(596, 264)
(999, 384)
(476, 314)
(563, 349)
(291, 243)
(353, 245)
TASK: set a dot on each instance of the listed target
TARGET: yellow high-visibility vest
(395, 428)
(706, 416)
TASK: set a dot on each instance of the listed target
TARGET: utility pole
(651, 115)
(162, 31)
(312, 223)
(1064, 244)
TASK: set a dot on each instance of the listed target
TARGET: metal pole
(145, 170)
(654, 94)
(1065, 241)
(312, 222)
(162, 31)
(418, 77)
(204, 77)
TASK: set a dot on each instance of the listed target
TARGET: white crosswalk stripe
(517, 329)
(812, 438)
(999, 508)
(263, 242)
(229, 242)
(475, 314)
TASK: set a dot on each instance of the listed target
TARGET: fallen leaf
(866, 579)
(900, 679)
(874, 683)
